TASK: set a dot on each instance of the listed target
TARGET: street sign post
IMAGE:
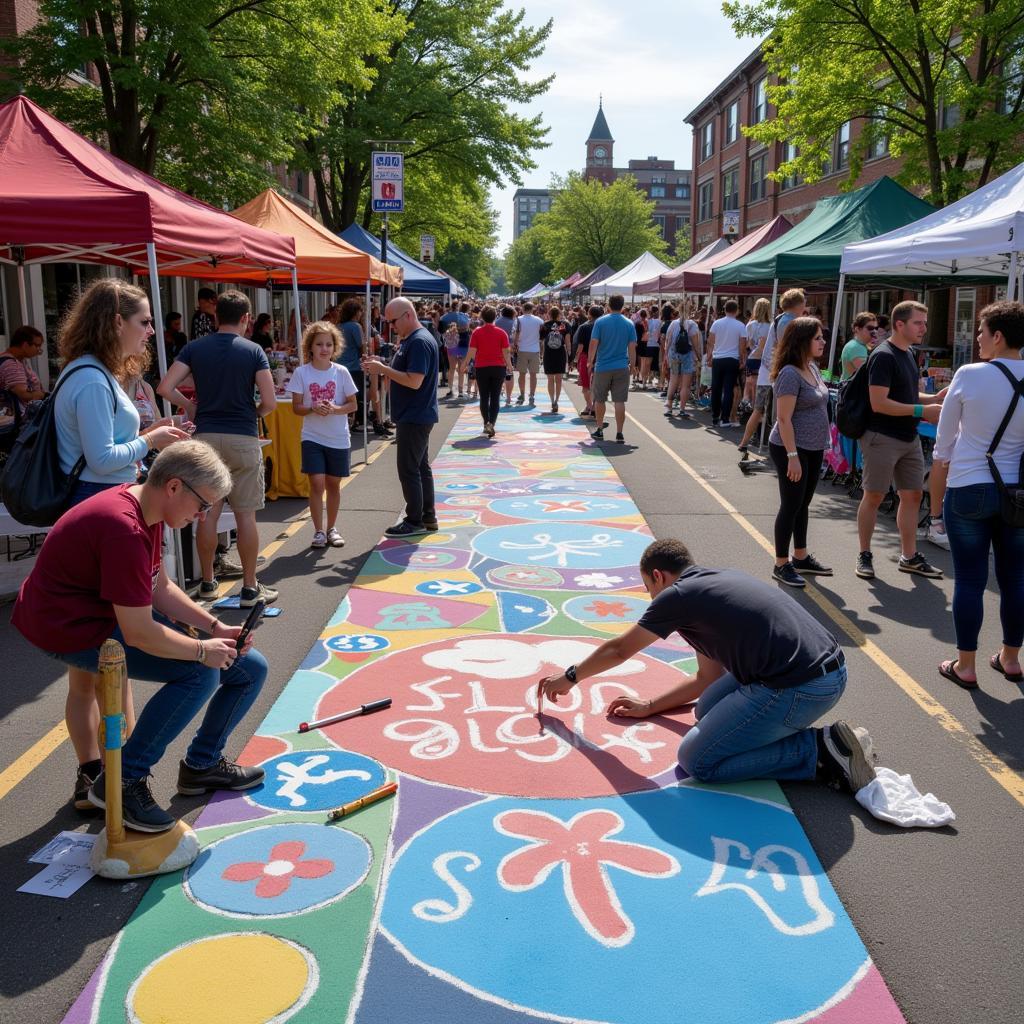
(426, 248)
(387, 179)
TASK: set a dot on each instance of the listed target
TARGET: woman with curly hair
(797, 444)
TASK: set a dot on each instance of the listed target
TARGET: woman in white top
(974, 407)
(757, 333)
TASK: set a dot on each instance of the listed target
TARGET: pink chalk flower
(276, 874)
(582, 849)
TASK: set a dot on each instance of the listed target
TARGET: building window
(790, 152)
(950, 115)
(879, 146)
(843, 146)
(732, 123)
(657, 179)
(759, 104)
(731, 190)
(682, 191)
(1012, 75)
(659, 223)
(758, 179)
(706, 201)
(657, 191)
(707, 140)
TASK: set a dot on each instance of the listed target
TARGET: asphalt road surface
(941, 911)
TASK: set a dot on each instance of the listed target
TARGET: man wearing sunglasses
(99, 576)
(413, 376)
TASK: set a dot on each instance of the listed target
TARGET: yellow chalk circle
(271, 980)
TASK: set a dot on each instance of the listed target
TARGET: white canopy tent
(977, 240)
(973, 240)
(642, 268)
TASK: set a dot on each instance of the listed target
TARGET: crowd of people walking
(135, 470)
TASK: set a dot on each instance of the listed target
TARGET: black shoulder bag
(34, 489)
(1011, 499)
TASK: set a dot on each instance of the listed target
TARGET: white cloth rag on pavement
(894, 798)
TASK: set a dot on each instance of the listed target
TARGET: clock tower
(600, 143)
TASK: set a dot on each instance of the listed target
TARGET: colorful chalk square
(277, 870)
(317, 780)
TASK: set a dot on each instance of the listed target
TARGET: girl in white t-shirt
(323, 393)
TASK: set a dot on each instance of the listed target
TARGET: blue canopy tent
(417, 279)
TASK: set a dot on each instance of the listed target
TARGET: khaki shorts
(614, 381)
(528, 362)
(243, 456)
(888, 460)
(761, 395)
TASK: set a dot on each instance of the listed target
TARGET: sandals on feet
(997, 665)
(948, 672)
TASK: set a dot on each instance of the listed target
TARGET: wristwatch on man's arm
(570, 673)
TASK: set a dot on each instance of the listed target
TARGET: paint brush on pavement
(371, 798)
(363, 709)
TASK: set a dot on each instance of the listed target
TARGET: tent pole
(835, 321)
(1011, 280)
(775, 296)
(158, 316)
(366, 351)
(23, 294)
(298, 316)
(178, 568)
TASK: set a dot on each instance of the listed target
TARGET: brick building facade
(666, 186)
(732, 195)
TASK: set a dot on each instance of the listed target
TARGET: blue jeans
(973, 525)
(188, 686)
(755, 732)
(86, 489)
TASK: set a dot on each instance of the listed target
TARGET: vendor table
(284, 427)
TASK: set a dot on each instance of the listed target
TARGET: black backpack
(853, 409)
(34, 489)
(9, 427)
(682, 343)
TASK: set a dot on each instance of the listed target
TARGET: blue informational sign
(387, 182)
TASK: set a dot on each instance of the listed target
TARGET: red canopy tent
(696, 277)
(63, 198)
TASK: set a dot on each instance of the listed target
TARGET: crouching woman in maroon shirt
(99, 575)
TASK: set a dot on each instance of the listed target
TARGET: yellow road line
(1002, 773)
(42, 749)
(32, 758)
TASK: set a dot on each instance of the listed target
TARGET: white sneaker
(335, 539)
(731, 424)
(319, 540)
(938, 537)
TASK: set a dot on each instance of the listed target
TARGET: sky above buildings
(652, 60)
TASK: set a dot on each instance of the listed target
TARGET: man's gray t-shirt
(224, 368)
(759, 634)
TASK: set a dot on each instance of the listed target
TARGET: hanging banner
(387, 182)
(426, 248)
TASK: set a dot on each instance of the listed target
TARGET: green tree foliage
(943, 80)
(207, 94)
(460, 218)
(526, 264)
(590, 223)
(497, 272)
(447, 86)
(683, 244)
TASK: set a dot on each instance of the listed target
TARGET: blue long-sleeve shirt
(87, 423)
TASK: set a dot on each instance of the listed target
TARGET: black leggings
(489, 380)
(724, 372)
(791, 522)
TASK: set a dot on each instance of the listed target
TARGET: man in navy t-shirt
(226, 369)
(766, 671)
(413, 376)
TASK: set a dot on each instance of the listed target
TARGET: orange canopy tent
(321, 257)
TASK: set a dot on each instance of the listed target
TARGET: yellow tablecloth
(285, 453)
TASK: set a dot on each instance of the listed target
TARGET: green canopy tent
(811, 252)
